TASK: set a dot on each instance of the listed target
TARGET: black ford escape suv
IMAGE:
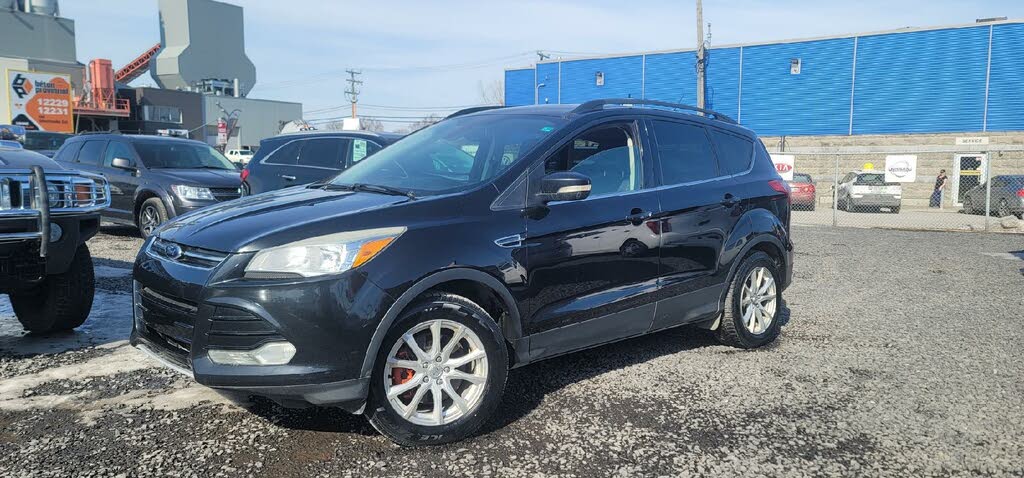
(153, 178)
(406, 286)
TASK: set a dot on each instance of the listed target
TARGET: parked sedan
(153, 178)
(1007, 196)
(804, 194)
(862, 191)
(302, 158)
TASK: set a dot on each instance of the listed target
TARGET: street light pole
(700, 54)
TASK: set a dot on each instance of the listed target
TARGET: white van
(239, 156)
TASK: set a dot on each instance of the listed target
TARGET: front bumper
(187, 311)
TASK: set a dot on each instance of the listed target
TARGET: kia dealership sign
(900, 168)
(784, 165)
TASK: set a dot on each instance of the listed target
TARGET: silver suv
(863, 191)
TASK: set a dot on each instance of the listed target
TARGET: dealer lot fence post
(895, 188)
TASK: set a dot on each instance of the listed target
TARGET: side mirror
(564, 186)
(122, 163)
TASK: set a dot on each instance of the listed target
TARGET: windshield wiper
(373, 188)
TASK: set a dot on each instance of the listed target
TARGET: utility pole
(542, 56)
(701, 63)
(352, 93)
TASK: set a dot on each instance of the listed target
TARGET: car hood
(24, 159)
(272, 219)
(212, 178)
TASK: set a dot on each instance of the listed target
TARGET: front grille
(226, 194)
(188, 255)
(232, 328)
(65, 191)
(170, 319)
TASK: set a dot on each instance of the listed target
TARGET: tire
(62, 301)
(154, 207)
(483, 397)
(894, 210)
(968, 205)
(812, 206)
(1004, 208)
(733, 330)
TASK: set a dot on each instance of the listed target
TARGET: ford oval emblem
(173, 251)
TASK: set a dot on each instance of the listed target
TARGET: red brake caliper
(402, 375)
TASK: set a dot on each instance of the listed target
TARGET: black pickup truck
(47, 213)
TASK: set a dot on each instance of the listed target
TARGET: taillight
(779, 186)
(654, 226)
(811, 188)
(244, 174)
(1020, 193)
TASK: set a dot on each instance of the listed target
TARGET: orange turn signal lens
(369, 250)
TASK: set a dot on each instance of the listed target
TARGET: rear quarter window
(67, 153)
(735, 153)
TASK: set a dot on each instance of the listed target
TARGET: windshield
(453, 155)
(41, 141)
(175, 155)
(872, 179)
(801, 178)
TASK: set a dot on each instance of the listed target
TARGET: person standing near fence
(940, 183)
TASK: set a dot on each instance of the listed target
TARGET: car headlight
(192, 192)
(330, 254)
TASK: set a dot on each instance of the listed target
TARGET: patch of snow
(109, 321)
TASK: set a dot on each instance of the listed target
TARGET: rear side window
(685, 152)
(92, 152)
(361, 148)
(735, 153)
(68, 152)
(323, 153)
(287, 154)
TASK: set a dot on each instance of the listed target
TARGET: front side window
(92, 152)
(685, 153)
(608, 155)
(68, 152)
(175, 155)
(323, 153)
(453, 155)
(116, 150)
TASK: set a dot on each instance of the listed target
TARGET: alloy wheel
(1004, 208)
(758, 300)
(436, 373)
(149, 219)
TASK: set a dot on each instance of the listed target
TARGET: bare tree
(423, 123)
(492, 92)
(371, 124)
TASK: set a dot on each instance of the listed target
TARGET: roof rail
(475, 109)
(99, 132)
(597, 105)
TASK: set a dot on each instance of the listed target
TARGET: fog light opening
(55, 232)
(274, 353)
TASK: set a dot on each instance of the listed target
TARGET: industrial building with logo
(202, 74)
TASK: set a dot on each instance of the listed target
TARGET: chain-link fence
(977, 188)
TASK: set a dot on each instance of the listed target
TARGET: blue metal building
(963, 78)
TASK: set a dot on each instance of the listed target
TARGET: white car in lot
(862, 191)
(239, 156)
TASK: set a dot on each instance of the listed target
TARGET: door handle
(729, 200)
(637, 216)
(287, 177)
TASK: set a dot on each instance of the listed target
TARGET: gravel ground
(902, 357)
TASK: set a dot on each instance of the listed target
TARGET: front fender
(512, 327)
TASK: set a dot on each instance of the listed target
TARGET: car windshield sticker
(548, 129)
(358, 150)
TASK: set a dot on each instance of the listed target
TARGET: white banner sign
(900, 168)
(784, 165)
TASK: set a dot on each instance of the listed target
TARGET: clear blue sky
(436, 53)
